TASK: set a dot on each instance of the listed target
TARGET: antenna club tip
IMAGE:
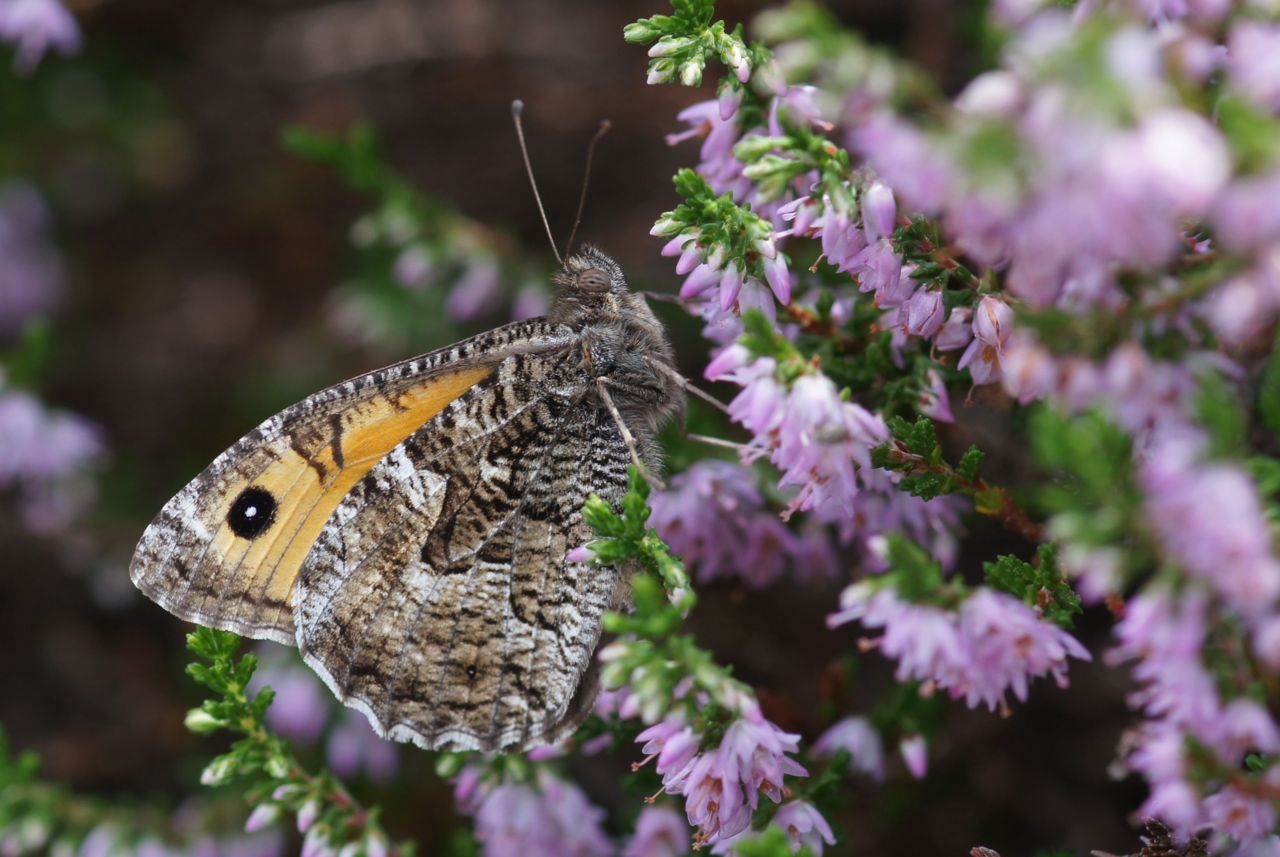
(517, 107)
(605, 124)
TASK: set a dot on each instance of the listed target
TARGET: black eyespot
(593, 280)
(252, 513)
(471, 672)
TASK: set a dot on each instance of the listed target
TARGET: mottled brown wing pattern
(195, 562)
(438, 600)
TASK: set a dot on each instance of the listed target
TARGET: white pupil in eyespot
(251, 511)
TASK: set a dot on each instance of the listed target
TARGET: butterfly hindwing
(438, 600)
(226, 550)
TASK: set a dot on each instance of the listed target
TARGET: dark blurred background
(202, 257)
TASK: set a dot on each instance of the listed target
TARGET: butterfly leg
(684, 384)
(602, 384)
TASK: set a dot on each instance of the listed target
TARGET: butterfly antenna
(586, 176)
(517, 107)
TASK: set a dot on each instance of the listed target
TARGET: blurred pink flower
(35, 27)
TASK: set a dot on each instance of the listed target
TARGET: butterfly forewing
(439, 600)
(225, 551)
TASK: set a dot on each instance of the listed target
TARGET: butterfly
(408, 529)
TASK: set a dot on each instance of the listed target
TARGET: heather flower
(713, 516)
(722, 786)
(31, 274)
(300, 710)
(992, 645)
(754, 751)
(674, 746)
(717, 165)
(934, 401)
(879, 212)
(922, 314)
(1008, 643)
(818, 438)
(548, 817)
(660, 832)
(915, 753)
(956, 332)
(1209, 519)
(45, 455)
(36, 26)
(353, 747)
(857, 737)
(413, 267)
(1244, 216)
(805, 826)
(919, 175)
(1253, 62)
(1243, 817)
(992, 324)
(476, 292)
(714, 802)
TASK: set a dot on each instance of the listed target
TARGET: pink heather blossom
(31, 273)
(934, 401)
(354, 748)
(915, 753)
(956, 332)
(754, 750)
(414, 268)
(722, 786)
(1165, 636)
(35, 27)
(922, 314)
(714, 801)
(476, 293)
(857, 737)
(1008, 642)
(1245, 217)
(919, 175)
(992, 324)
(879, 212)
(717, 164)
(804, 825)
(38, 444)
(1253, 62)
(992, 645)
(300, 710)
(531, 301)
(1242, 817)
(548, 817)
(582, 553)
(1209, 519)
(674, 746)
(815, 437)
(660, 832)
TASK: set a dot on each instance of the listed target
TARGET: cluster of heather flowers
(1098, 245)
(715, 519)
(543, 817)
(47, 454)
(987, 646)
(722, 785)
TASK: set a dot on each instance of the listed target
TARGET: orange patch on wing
(308, 488)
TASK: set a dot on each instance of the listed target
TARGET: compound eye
(593, 280)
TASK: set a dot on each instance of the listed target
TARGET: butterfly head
(591, 288)
(590, 274)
